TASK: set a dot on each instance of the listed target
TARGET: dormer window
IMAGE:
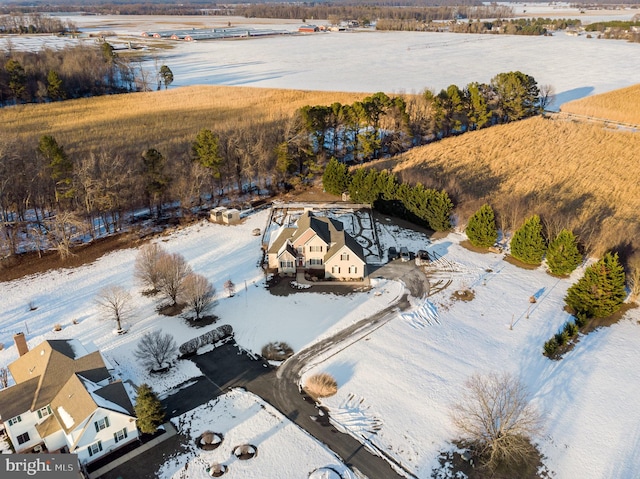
(44, 412)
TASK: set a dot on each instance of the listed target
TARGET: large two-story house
(319, 244)
(65, 400)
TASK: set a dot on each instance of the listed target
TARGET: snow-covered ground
(399, 396)
(283, 449)
(395, 387)
(369, 61)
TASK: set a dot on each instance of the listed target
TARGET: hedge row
(210, 337)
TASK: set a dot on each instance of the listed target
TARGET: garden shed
(231, 216)
(215, 215)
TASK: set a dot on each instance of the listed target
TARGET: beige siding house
(317, 244)
(65, 400)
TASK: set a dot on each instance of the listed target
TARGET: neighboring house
(65, 400)
(318, 244)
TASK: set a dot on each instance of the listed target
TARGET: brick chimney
(21, 343)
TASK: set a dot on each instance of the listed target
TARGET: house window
(286, 264)
(315, 261)
(335, 269)
(22, 438)
(315, 249)
(120, 435)
(353, 269)
(14, 420)
(101, 424)
(95, 448)
(344, 257)
(44, 412)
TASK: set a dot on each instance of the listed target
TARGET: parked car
(404, 254)
(423, 255)
(393, 253)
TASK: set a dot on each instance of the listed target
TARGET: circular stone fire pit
(216, 469)
(245, 451)
(325, 473)
(208, 441)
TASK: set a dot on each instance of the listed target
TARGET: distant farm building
(194, 34)
(308, 29)
(231, 216)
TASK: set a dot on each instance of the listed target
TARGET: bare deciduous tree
(155, 350)
(496, 418)
(172, 270)
(115, 302)
(146, 269)
(197, 293)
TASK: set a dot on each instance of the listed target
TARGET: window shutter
(97, 427)
(100, 445)
(49, 409)
(90, 449)
(125, 432)
(106, 421)
(115, 436)
(39, 414)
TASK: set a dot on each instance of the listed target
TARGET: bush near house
(481, 227)
(528, 244)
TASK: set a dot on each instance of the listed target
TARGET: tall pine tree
(148, 409)
(601, 291)
(481, 228)
(335, 179)
(528, 244)
(563, 255)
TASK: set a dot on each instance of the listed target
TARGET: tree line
(73, 72)
(381, 125)
(382, 190)
(34, 22)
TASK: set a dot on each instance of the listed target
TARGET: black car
(423, 255)
(393, 253)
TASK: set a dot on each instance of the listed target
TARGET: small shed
(308, 29)
(215, 216)
(231, 216)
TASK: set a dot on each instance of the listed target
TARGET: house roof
(18, 398)
(324, 227)
(48, 426)
(283, 234)
(49, 373)
(344, 239)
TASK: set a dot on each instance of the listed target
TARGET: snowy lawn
(216, 251)
(283, 449)
(397, 388)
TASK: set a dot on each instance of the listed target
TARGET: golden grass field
(621, 105)
(167, 120)
(576, 175)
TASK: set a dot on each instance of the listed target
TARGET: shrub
(210, 337)
(528, 244)
(562, 338)
(580, 319)
(571, 329)
(321, 385)
(550, 347)
(481, 228)
(277, 351)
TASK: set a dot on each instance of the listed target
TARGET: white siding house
(65, 400)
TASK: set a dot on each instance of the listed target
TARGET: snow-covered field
(396, 387)
(369, 61)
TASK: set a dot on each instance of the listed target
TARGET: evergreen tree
(156, 180)
(55, 89)
(439, 208)
(17, 78)
(563, 255)
(528, 244)
(335, 179)
(481, 228)
(148, 409)
(601, 291)
(60, 166)
(206, 151)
